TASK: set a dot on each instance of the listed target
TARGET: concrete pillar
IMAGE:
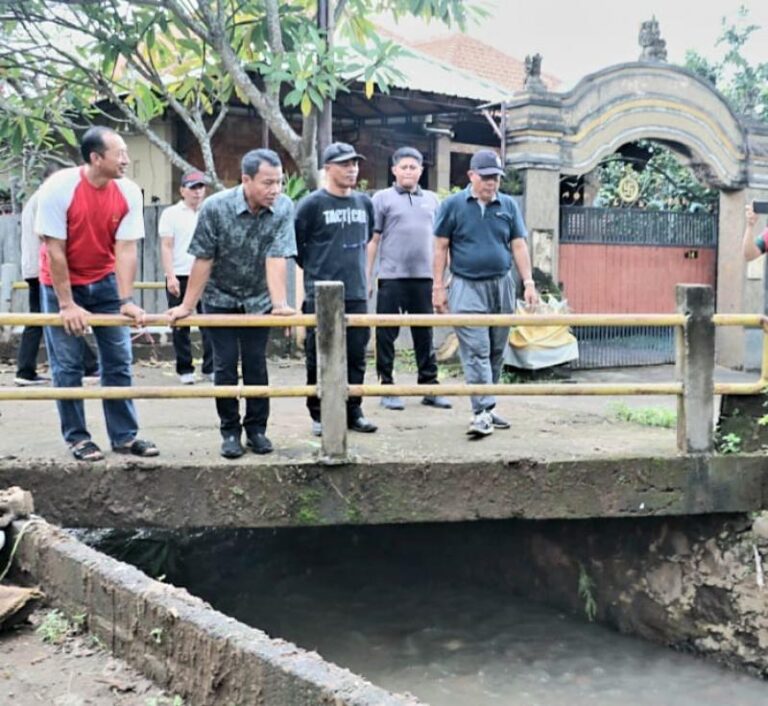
(696, 369)
(735, 293)
(332, 369)
(541, 209)
(441, 174)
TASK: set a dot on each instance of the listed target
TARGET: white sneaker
(480, 426)
(498, 422)
(187, 378)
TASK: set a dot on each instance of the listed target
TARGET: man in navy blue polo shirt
(484, 233)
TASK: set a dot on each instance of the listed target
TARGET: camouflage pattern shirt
(239, 243)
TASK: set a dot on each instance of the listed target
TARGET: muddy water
(385, 603)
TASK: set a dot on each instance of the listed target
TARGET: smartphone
(760, 206)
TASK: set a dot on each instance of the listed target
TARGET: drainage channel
(445, 612)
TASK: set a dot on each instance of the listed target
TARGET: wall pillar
(440, 178)
(541, 209)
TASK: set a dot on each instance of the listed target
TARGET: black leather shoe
(361, 424)
(259, 444)
(231, 447)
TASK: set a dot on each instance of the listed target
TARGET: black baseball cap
(486, 163)
(339, 152)
(193, 178)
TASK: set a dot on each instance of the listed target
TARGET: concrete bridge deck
(565, 457)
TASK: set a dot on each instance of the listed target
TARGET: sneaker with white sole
(480, 426)
(317, 428)
(187, 378)
(498, 422)
(20, 381)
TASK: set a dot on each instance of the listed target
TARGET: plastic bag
(535, 347)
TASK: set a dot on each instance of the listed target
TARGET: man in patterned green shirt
(244, 236)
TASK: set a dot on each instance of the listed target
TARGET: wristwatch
(126, 300)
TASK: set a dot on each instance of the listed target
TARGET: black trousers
(182, 342)
(357, 342)
(405, 296)
(29, 346)
(249, 347)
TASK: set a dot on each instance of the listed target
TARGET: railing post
(332, 369)
(695, 364)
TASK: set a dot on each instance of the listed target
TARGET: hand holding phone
(760, 206)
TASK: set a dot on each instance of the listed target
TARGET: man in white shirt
(177, 224)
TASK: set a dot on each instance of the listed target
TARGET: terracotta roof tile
(481, 59)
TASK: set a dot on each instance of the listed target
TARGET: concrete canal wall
(179, 641)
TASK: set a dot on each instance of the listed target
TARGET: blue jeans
(65, 353)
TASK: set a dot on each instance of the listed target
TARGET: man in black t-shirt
(333, 227)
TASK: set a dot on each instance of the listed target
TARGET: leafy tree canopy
(744, 85)
(67, 63)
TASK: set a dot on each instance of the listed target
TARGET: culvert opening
(495, 612)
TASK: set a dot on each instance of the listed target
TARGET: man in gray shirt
(242, 240)
(403, 240)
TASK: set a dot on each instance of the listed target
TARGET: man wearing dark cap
(404, 216)
(484, 233)
(177, 224)
(333, 227)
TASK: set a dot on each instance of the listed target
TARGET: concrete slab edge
(178, 640)
(383, 493)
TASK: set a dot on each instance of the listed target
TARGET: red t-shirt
(90, 219)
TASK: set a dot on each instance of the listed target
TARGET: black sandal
(87, 451)
(138, 447)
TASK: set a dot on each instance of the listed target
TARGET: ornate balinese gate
(628, 261)
(550, 135)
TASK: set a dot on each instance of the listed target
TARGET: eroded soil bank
(690, 583)
(694, 583)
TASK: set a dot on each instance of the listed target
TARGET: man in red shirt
(91, 219)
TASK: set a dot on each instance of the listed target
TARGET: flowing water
(380, 602)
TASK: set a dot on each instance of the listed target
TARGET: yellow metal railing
(373, 320)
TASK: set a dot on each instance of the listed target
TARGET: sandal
(138, 447)
(86, 451)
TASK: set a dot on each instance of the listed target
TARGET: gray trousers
(482, 347)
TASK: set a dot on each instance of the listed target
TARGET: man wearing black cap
(333, 227)
(484, 233)
(176, 226)
(404, 242)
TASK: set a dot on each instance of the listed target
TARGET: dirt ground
(75, 672)
(543, 428)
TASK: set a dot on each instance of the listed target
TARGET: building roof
(429, 74)
(483, 60)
